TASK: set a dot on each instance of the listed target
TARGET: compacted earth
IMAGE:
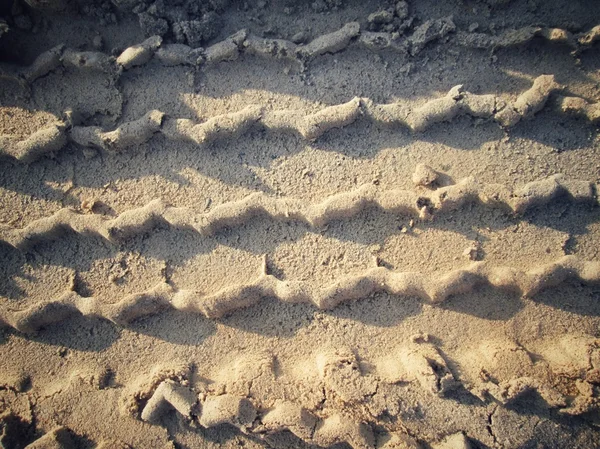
(299, 224)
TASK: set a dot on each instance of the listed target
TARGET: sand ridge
(310, 127)
(423, 204)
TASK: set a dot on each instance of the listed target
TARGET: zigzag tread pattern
(417, 119)
(230, 48)
(431, 288)
(423, 204)
(424, 365)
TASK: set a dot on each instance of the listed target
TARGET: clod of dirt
(230, 409)
(591, 36)
(152, 26)
(169, 394)
(379, 18)
(424, 175)
(289, 416)
(195, 32)
(430, 31)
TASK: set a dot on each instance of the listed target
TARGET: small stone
(424, 175)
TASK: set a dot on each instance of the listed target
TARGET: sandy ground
(279, 224)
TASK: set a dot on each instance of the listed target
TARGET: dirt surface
(282, 224)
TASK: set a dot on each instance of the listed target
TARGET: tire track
(424, 204)
(434, 289)
(457, 102)
(242, 42)
(387, 391)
